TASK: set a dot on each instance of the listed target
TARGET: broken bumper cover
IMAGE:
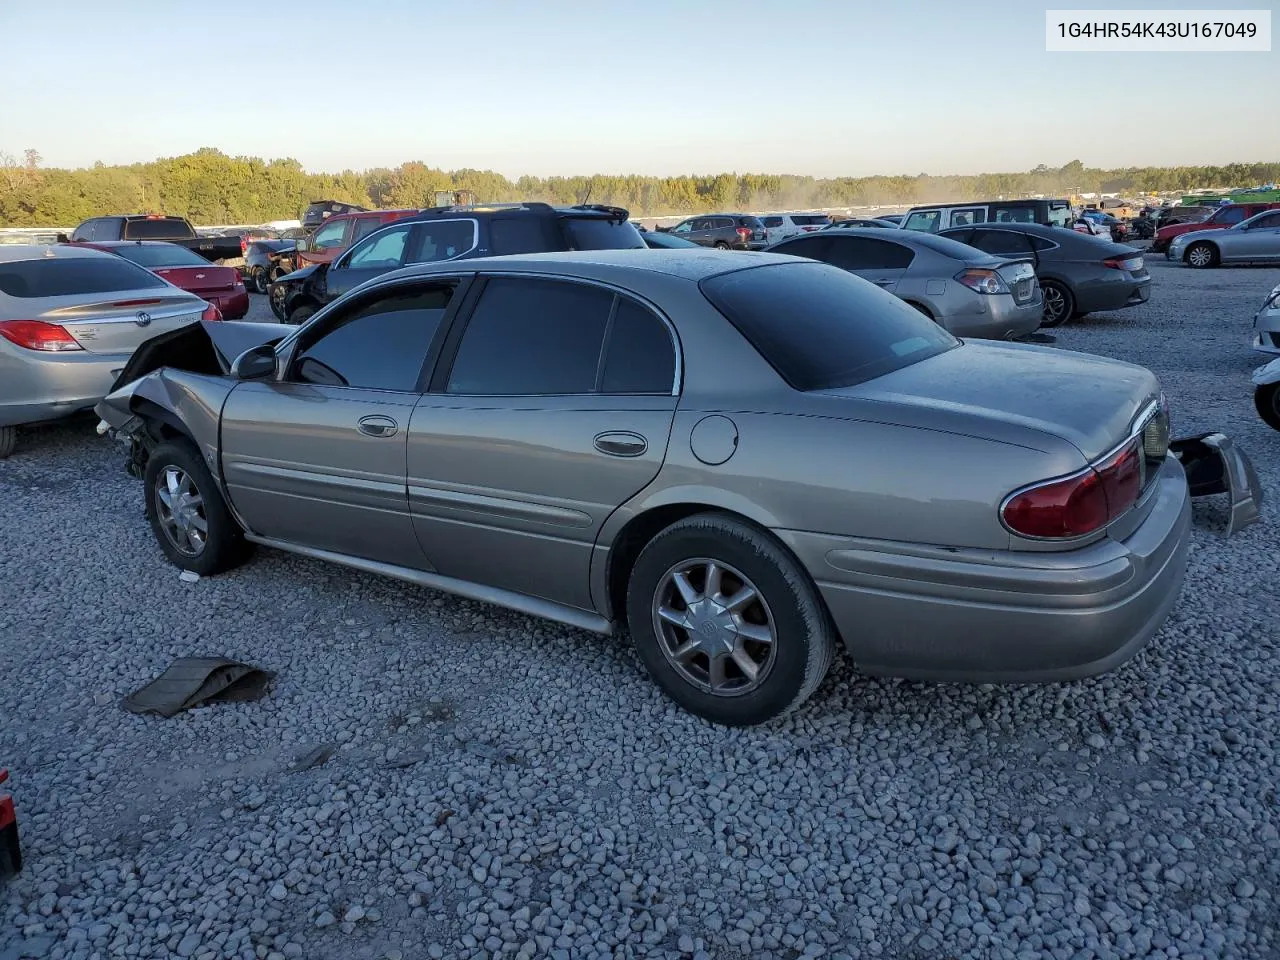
(1215, 465)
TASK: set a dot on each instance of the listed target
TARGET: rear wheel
(299, 315)
(1267, 399)
(1059, 304)
(1202, 255)
(190, 520)
(260, 279)
(727, 622)
(721, 245)
(276, 297)
(8, 441)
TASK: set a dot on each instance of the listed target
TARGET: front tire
(8, 441)
(188, 516)
(1267, 399)
(300, 315)
(261, 280)
(1059, 303)
(1201, 255)
(727, 622)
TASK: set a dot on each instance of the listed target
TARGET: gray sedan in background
(1256, 240)
(966, 291)
(69, 319)
(1078, 273)
(743, 459)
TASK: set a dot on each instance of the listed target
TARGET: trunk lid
(121, 321)
(1020, 276)
(200, 280)
(1090, 402)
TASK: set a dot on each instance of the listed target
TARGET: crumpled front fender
(1267, 373)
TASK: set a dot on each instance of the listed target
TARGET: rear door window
(1013, 214)
(967, 216)
(511, 235)
(772, 221)
(385, 251)
(599, 233)
(74, 276)
(330, 235)
(437, 240)
(822, 328)
(532, 337)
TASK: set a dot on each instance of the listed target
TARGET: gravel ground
(505, 786)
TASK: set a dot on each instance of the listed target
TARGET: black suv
(727, 231)
(453, 233)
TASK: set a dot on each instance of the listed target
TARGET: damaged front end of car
(174, 385)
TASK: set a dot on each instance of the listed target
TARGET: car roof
(12, 253)
(683, 263)
(103, 244)
(1039, 229)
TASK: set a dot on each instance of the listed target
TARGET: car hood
(1090, 402)
(1192, 235)
(300, 276)
(209, 347)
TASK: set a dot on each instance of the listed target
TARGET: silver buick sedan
(742, 459)
(1256, 240)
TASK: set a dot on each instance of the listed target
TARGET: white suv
(781, 225)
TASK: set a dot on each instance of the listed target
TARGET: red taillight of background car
(38, 335)
(744, 233)
(244, 246)
(211, 312)
(1081, 503)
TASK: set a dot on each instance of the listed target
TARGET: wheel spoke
(676, 617)
(195, 500)
(687, 592)
(738, 602)
(166, 498)
(755, 631)
(199, 523)
(715, 672)
(750, 669)
(685, 650)
(714, 578)
(172, 479)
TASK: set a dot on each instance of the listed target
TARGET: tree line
(209, 187)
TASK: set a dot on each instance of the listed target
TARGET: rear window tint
(821, 327)
(810, 220)
(752, 222)
(597, 233)
(519, 235)
(156, 230)
(168, 255)
(944, 246)
(73, 276)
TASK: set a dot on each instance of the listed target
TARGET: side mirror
(63, 238)
(256, 363)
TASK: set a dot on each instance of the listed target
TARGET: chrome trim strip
(498, 506)
(533, 606)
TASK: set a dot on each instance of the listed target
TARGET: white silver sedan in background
(1256, 240)
(70, 318)
(1266, 324)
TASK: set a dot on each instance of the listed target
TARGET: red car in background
(342, 230)
(221, 286)
(1225, 216)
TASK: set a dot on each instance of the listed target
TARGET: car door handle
(884, 282)
(378, 426)
(621, 443)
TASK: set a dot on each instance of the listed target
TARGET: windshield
(821, 327)
(599, 233)
(161, 255)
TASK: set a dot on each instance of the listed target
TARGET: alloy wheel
(1200, 256)
(1055, 305)
(714, 627)
(180, 510)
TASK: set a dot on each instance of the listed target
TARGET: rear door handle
(885, 282)
(378, 426)
(621, 443)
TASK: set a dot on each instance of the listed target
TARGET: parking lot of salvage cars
(429, 776)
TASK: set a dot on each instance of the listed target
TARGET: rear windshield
(810, 220)
(821, 327)
(948, 247)
(752, 222)
(72, 276)
(165, 229)
(167, 255)
(598, 233)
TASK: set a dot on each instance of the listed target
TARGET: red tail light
(744, 233)
(1124, 263)
(211, 312)
(244, 246)
(38, 335)
(1081, 503)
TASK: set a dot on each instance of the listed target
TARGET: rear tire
(721, 245)
(1201, 255)
(260, 280)
(300, 315)
(182, 498)
(1267, 399)
(1059, 303)
(761, 590)
(8, 441)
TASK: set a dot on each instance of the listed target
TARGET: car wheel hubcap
(714, 627)
(1200, 256)
(1055, 304)
(180, 508)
